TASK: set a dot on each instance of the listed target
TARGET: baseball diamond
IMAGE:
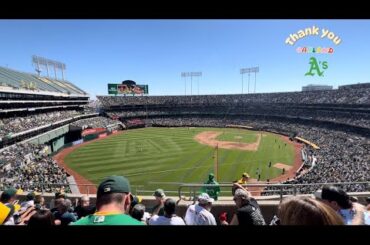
(175, 155)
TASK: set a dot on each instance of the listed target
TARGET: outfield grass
(172, 155)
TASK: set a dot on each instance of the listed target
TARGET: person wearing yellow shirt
(244, 179)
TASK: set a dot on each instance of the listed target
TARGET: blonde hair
(307, 211)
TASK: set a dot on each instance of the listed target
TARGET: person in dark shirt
(63, 213)
(158, 208)
(59, 198)
(248, 212)
(84, 208)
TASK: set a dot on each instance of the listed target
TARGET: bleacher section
(30, 105)
(25, 81)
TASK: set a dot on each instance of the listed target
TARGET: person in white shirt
(29, 201)
(199, 214)
(169, 217)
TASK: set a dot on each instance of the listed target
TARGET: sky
(156, 52)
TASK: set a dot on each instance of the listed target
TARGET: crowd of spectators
(29, 168)
(95, 122)
(12, 125)
(348, 117)
(115, 205)
(336, 96)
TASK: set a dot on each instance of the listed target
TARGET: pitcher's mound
(209, 138)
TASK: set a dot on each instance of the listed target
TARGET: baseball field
(183, 155)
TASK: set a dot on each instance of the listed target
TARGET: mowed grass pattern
(172, 155)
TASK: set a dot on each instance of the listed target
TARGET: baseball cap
(204, 198)
(353, 199)
(246, 175)
(114, 184)
(60, 195)
(135, 200)
(9, 193)
(159, 193)
(31, 195)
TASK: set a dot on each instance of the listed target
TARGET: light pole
(249, 71)
(184, 76)
(242, 82)
(191, 75)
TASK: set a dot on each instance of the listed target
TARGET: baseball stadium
(277, 145)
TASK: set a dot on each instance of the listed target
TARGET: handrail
(280, 186)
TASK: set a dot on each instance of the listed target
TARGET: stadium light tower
(191, 75)
(183, 74)
(38, 61)
(249, 71)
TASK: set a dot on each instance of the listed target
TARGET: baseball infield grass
(172, 155)
(238, 135)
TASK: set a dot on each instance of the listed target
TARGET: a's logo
(99, 219)
(314, 67)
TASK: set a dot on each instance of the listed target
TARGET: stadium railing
(189, 192)
(282, 189)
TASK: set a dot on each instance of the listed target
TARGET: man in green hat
(8, 196)
(212, 191)
(112, 203)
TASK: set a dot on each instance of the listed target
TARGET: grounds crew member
(212, 191)
(112, 203)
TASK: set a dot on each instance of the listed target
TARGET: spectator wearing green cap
(212, 191)
(112, 203)
(8, 196)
